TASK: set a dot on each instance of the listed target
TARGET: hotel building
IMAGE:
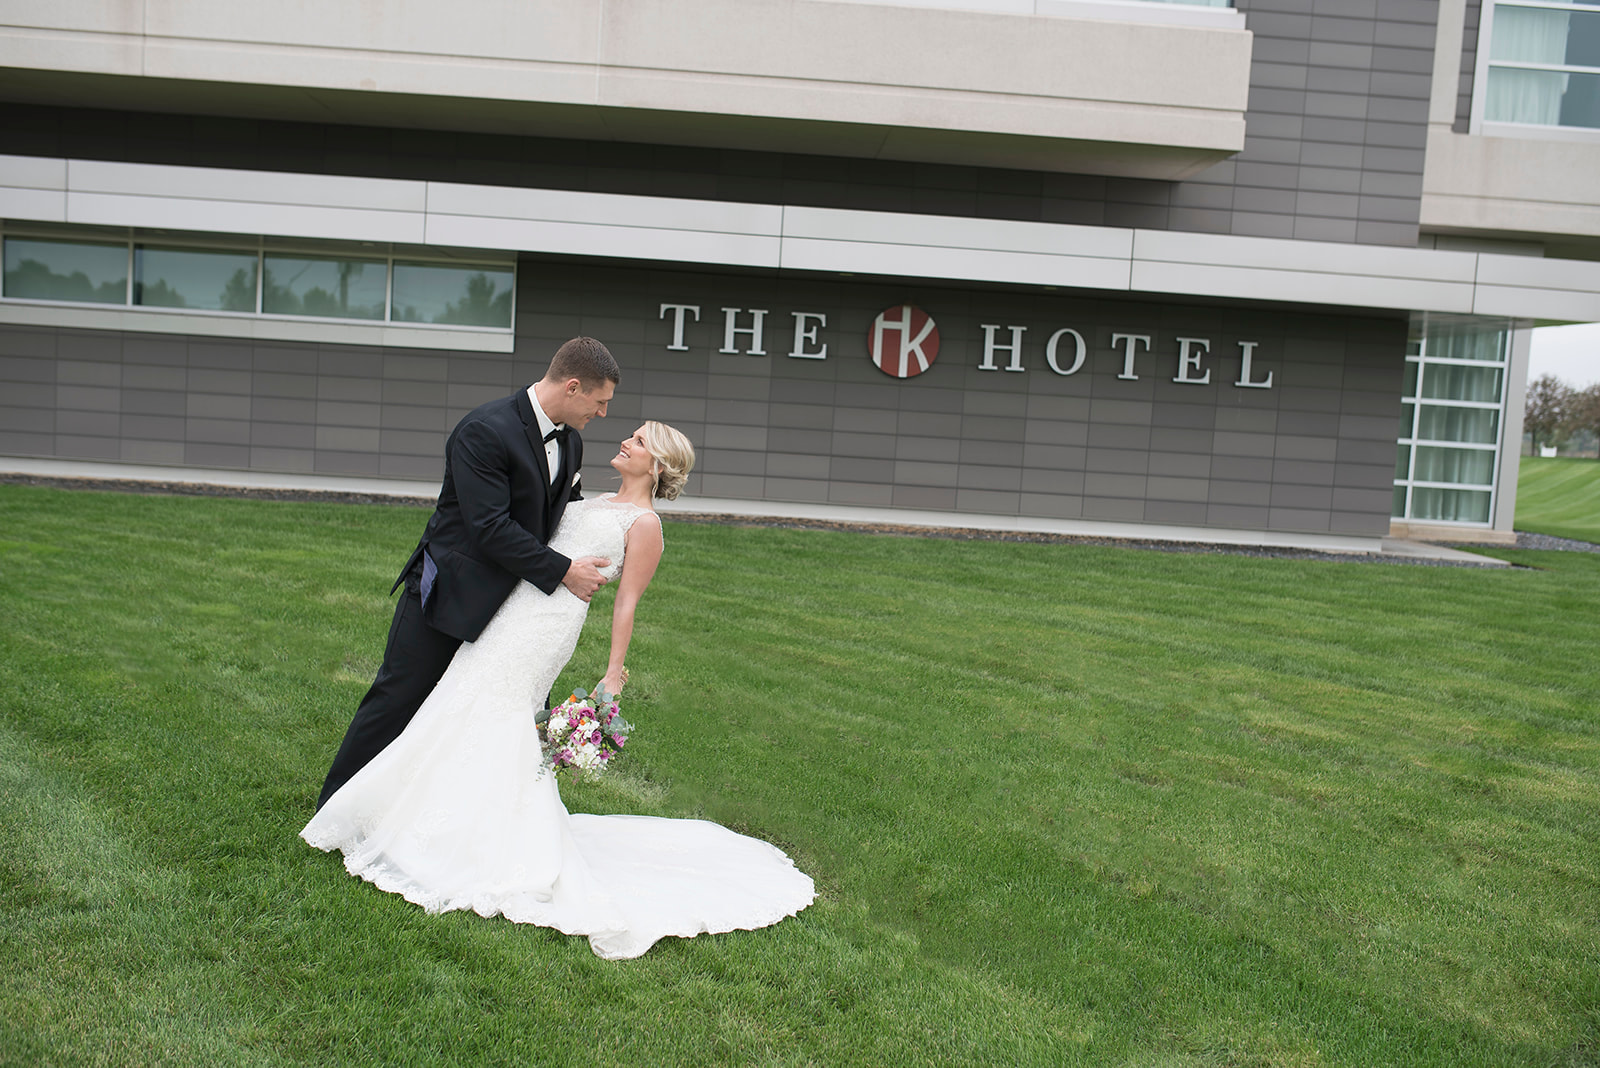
(1263, 272)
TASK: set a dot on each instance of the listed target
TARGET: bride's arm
(642, 554)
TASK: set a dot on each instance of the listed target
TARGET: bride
(462, 811)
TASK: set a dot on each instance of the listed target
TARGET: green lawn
(1559, 496)
(1064, 805)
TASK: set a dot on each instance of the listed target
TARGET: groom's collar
(546, 424)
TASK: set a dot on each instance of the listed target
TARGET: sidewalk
(846, 515)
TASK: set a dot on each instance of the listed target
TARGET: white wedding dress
(461, 812)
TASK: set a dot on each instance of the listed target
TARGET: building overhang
(790, 238)
(1531, 189)
(1087, 88)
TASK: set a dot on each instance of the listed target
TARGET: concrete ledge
(1454, 535)
(1392, 546)
(1083, 528)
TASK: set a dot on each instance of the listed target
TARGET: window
(465, 296)
(1541, 66)
(1450, 419)
(194, 278)
(66, 270)
(287, 283)
(329, 288)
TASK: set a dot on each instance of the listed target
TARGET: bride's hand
(613, 683)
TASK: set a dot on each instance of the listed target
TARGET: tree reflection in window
(326, 288)
(459, 296)
(65, 270)
(194, 278)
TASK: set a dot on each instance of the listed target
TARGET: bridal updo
(674, 457)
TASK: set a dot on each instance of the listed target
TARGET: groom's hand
(584, 577)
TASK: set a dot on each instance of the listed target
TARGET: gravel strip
(973, 534)
(200, 489)
(1545, 541)
(203, 489)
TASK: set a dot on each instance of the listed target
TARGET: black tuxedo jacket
(496, 510)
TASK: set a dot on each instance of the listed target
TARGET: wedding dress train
(461, 812)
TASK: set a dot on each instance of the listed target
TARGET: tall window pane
(1444, 381)
(334, 288)
(1455, 396)
(1543, 97)
(1544, 66)
(1465, 341)
(1477, 425)
(1474, 466)
(194, 278)
(66, 270)
(1450, 505)
(1541, 35)
(463, 296)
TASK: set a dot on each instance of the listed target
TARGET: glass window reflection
(1455, 506)
(1457, 382)
(1475, 466)
(1477, 425)
(1543, 65)
(324, 287)
(66, 270)
(460, 296)
(194, 278)
(1466, 341)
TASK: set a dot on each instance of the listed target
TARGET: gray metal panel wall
(1336, 128)
(1314, 453)
(1469, 65)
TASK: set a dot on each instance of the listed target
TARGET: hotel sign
(903, 342)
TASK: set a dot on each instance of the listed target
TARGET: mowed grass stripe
(1559, 496)
(1064, 804)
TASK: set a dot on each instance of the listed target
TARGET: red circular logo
(903, 341)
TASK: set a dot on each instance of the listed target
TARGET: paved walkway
(777, 512)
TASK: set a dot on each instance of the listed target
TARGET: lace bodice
(521, 651)
(596, 527)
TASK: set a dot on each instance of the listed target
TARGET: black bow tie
(561, 432)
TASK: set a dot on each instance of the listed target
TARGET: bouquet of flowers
(585, 732)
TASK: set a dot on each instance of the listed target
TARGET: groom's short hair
(585, 359)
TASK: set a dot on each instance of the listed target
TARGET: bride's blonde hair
(674, 458)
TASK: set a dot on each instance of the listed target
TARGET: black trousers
(414, 659)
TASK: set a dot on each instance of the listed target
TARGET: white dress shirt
(552, 448)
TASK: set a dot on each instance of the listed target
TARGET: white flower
(558, 722)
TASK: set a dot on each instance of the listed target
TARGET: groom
(511, 466)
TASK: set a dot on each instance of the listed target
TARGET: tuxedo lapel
(530, 427)
(561, 492)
